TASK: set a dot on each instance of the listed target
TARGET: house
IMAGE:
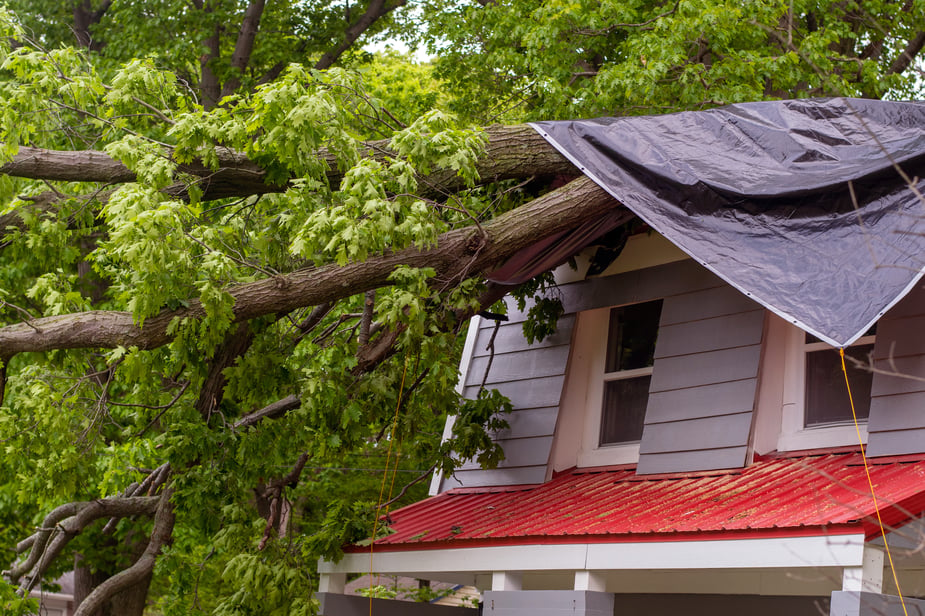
(685, 442)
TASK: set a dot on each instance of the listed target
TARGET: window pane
(826, 395)
(624, 410)
(631, 336)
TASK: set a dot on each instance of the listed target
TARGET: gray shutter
(704, 382)
(897, 405)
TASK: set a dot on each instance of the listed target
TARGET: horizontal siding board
(520, 452)
(531, 393)
(724, 332)
(912, 304)
(896, 442)
(518, 366)
(900, 337)
(510, 338)
(528, 423)
(705, 368)
(898, 412)
(496, 477)
(708, 303)
(899, 381)
(712, 400)
(696, 434)
(637, 286)
(703, 460)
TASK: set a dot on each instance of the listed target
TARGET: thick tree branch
(461, 252)
(161, 534)
(907, 56)
(213, 388)
(376, 10)
(244, 45)
(511, 152)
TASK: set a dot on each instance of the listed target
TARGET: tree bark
(244, 46)
(458, 254)
(511, 152)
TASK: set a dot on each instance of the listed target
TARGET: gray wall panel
(894, 376)
(696, 434)
(896, 442)
(706, 459)
(638, 286)
(906, 337)
(333, 604)
(897, 407)
(510, 338)
(713, 302)
(714, 399)
(899, 412)
(520, 452)
(704, 384)
(725, 332)
(718, 605)
(521, 424)
(496, 477)
(532, 393)
(527, 364)
(705, 368)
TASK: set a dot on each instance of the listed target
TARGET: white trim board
(762, 553)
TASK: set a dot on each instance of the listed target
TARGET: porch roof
(778, 495)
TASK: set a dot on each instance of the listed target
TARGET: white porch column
(332, 583)
(507, 580)
(869, 576)
(590, 580)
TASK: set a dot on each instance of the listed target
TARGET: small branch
(642, 24)
(409, 485)
(367, 320)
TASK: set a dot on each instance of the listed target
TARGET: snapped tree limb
(461, 252)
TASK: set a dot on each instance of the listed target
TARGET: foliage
(250, 172)
(511, 60)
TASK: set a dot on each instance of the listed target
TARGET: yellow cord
(388, 457)
(870, 483)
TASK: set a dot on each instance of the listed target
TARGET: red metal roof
(777, 495)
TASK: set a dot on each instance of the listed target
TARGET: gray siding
(704, 382)
(897, 406)
(703, 385)
(531, 376)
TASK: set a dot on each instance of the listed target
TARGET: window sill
(609, 455)
(821, 437)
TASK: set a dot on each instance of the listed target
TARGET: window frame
(591, 452)
(794, 434)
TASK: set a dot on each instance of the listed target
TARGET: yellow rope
(385, 473)
(870, 483)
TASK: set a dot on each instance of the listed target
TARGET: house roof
(809, 494)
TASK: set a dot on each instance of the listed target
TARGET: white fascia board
(762, 553)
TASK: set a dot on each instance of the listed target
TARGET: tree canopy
(238, 253)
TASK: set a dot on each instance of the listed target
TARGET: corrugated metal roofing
(808, 494)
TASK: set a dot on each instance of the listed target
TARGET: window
(815, 408)
(628, 371)
(827, 401)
